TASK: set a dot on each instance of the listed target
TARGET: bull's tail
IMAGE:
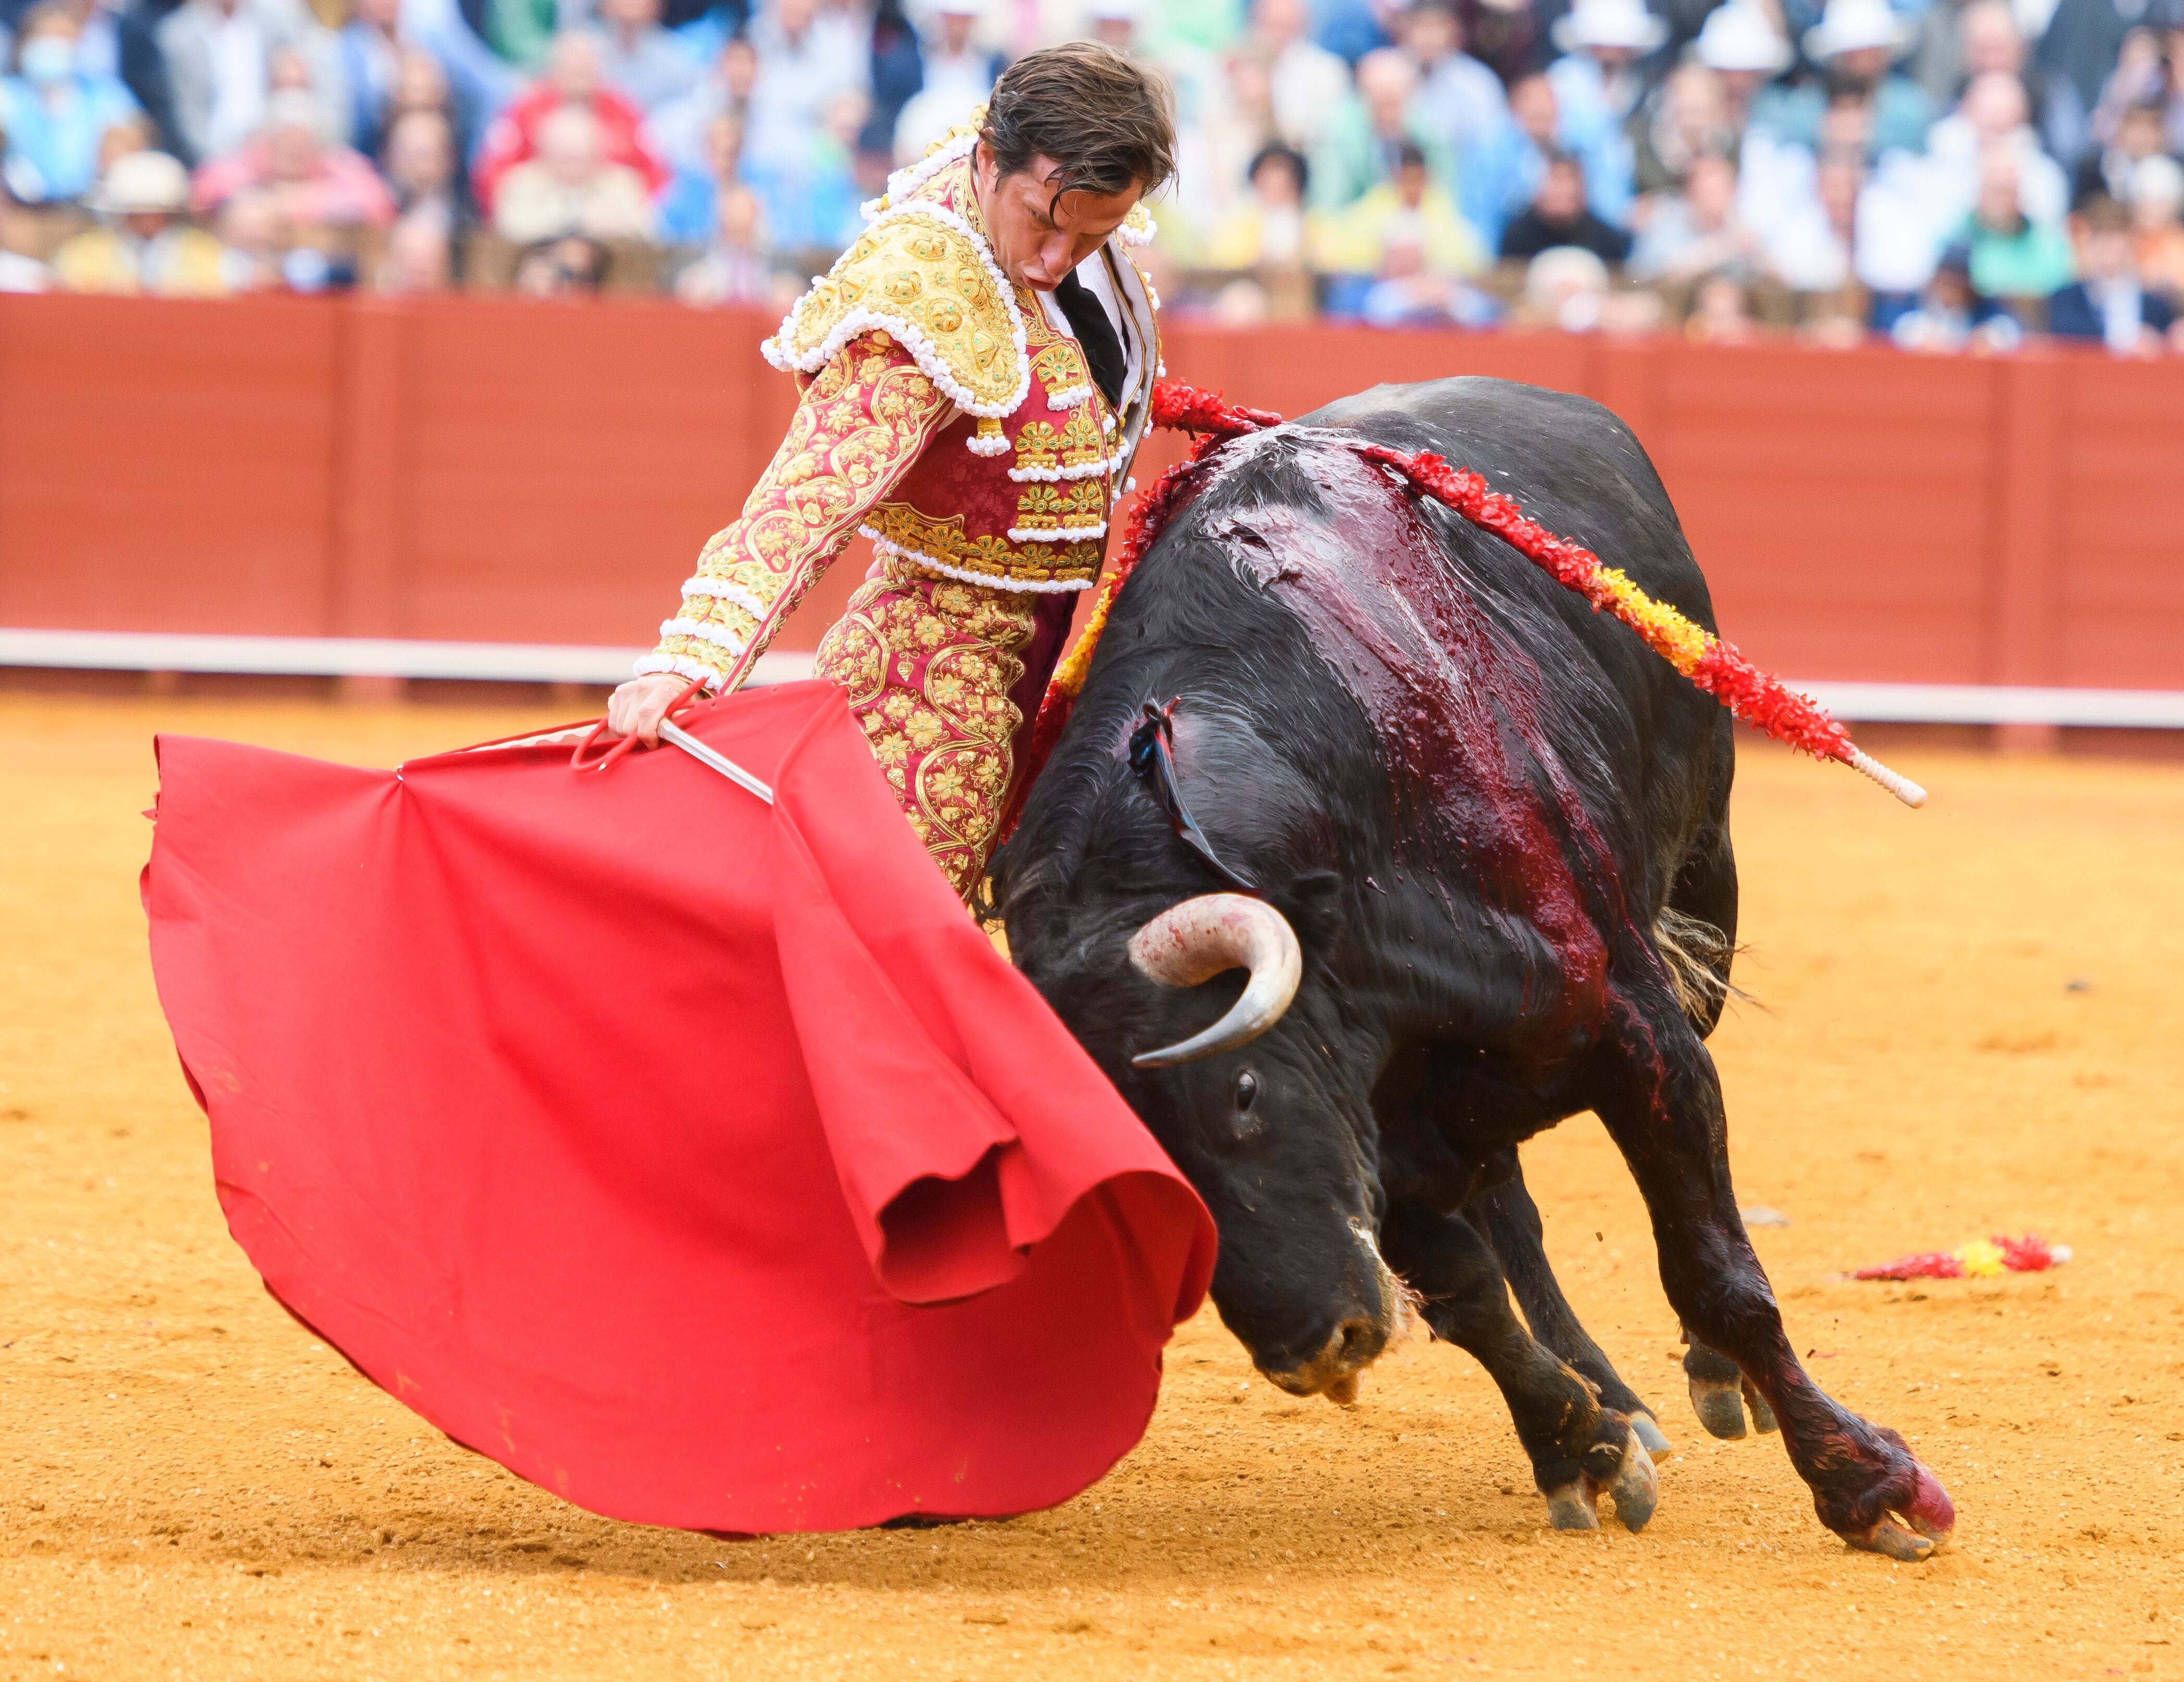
(1696, 956)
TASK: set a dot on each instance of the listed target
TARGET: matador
(977, 373)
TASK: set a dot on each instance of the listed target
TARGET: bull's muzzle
(1357, 1341)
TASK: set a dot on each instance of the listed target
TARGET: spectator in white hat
(1856, 43)
(141, 245)
(1740, 43)
(1597, 86)
(1597, 81)
(959, 74)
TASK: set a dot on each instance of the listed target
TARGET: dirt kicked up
(1969, 1024)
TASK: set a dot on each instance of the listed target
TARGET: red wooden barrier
(496, 470)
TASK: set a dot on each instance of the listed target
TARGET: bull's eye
(1247, 1091)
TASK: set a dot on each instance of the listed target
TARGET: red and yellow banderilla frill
(1753, 696)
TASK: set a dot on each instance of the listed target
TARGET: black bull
(1498, 824)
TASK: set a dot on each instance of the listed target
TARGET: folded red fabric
(697, 1159)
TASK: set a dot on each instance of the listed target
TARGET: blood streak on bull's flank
(1443, 687)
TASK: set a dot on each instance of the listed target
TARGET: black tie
(1095, 334)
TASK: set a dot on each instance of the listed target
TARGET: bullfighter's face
(1037, 236)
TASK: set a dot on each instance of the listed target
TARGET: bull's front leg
(1510, 1221)
(1579, 1448)
(1661, 1102)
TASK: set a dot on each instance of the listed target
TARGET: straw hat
(141, 183)
(1609, 23)
(1737, 36)
(1853, 25)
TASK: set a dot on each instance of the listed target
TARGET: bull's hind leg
(1579, 1448)
(1661, 1102)
(1510, 1220)
(1696, 938)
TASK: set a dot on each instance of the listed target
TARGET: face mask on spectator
(48, 59)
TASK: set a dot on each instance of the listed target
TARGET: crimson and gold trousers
(929, 665)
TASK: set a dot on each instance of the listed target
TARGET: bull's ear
(1312, 901)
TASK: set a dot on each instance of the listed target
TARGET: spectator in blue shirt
(1502, 176)
(53, 114)
(2109, 305)
(689, 210)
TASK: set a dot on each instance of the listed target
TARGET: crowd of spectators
(1951, 173)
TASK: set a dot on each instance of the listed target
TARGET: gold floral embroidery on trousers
(927, 664)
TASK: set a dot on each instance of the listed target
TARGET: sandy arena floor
(191, 1487)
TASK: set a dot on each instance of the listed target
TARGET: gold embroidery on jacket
(924, 277)
(1045, 507)
(920, 537)
(861, 424)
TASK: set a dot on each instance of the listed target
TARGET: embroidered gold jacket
(948, 415)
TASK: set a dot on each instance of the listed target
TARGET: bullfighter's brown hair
(1107, 121)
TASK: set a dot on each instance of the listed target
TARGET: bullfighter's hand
(637, 706)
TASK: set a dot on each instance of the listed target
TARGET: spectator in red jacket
(572, 77)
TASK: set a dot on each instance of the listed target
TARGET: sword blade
(719, 761)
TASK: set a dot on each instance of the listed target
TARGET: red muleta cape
(699, 1160)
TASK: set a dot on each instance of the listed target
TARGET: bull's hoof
(1720, 1405)
(1929, 1513)
(1763, 1416)
(1649, 1432)
(1574, 1506)
(1636, 1488)
(1891, 1539)
(1626, 1477)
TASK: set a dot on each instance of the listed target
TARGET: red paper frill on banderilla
(699, 1160)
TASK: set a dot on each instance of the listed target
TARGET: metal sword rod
(719, 761)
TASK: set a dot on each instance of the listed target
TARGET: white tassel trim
(680, 666)
(1057, 534)
(988, 443)
(1130, 486)
(906, 181)
(1144, 236)
(723, 589)
(1085, 469)
(1069, 397)
(992, 580)
(704, 632)
(862, 320)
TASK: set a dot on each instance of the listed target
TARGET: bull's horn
(1196, 941)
